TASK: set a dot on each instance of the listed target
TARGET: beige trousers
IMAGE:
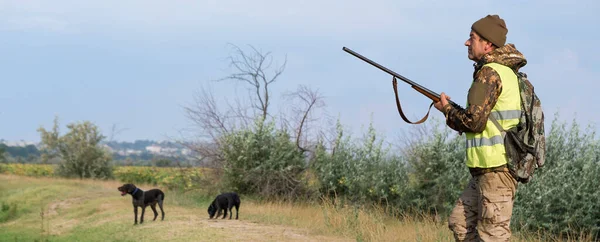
(484, 209)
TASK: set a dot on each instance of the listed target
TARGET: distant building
(154, 149)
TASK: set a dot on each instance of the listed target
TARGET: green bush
(263, 161)
(430, 174)
(364, 173)
(437, 169)
(563, 197)
(79, 149)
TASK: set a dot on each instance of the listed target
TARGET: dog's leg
(160, 202)
(229, 206)
(218, 210)
(237, 208)
(153, 206)
(135, 208)
(142, 217)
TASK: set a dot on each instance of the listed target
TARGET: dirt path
(250, 231)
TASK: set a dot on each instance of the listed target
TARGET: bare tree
(211, 122)
(302, 113)
(214, 121)
(250, 69)
(205, 114)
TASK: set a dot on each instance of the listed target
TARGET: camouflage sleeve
(482, 97)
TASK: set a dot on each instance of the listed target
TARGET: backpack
(525, 143)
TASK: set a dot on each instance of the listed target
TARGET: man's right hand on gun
(443, 102)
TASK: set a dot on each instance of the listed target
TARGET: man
(484, 209)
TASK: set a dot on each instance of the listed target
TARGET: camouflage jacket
(484, 92)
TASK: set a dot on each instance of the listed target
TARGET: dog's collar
(134, 191)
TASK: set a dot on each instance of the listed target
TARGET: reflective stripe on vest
(486, 149)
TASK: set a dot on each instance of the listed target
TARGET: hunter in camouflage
(484, 209)
(485, 90)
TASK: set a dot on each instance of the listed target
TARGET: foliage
(563, 196)
(2, 151)
(430, 174)
(79, 150)
(171, 178)
(263, 161)
(168, 177)
(363, 172)
(35, 170)
(427, 177)
(437, 170)
(18, 151)
(162, 162)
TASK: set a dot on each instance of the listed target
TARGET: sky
(135, 64)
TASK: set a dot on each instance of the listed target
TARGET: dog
(142, 199)
(224, 201)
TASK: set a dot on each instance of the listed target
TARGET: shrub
(364, 173)
(263, 161)
(437, 170)
(563, 196)
(79, 151)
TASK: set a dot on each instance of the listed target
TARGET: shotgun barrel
(430, 94)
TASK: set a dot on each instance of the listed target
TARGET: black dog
(144, 198)
(224, 201)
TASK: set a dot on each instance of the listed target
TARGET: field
(57, 209)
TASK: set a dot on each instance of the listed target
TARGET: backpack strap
(395, 84)
(498, 125)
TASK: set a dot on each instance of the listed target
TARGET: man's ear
(489, 45)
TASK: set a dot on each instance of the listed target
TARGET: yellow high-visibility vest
(486, 149)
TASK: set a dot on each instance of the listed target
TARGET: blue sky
(136, 63)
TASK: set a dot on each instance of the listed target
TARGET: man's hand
(443, 101)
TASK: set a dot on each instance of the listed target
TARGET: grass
(359, 224)
(78, 210)
(55, 209)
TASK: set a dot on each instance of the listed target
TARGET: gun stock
(435, 97)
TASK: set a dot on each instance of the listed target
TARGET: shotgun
(428, 93)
